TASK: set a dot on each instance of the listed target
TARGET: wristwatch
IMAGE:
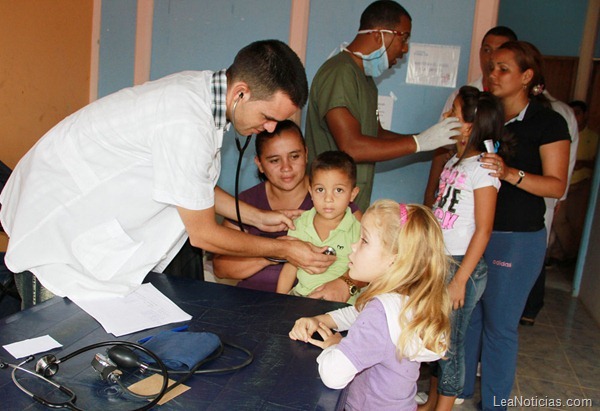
(352, 288)
(521, 175)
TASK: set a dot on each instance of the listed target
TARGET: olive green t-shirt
(340, 82)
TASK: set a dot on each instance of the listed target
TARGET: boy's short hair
(334, 160)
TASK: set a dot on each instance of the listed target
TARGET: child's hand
(329, 337)
(304, 328)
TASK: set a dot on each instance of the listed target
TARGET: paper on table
(32, 346)
(144, 308)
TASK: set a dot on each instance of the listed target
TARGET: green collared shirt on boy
(341, 238)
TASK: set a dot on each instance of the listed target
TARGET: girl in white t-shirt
(465, 206)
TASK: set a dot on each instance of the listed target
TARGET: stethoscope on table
(48, 365)
(119, 355)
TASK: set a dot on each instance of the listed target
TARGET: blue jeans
(451, 371)
(514, 261)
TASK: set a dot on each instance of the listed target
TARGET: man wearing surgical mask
(342, 109)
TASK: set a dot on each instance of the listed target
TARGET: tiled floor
(559, 357)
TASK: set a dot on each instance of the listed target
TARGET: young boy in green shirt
(330, 222)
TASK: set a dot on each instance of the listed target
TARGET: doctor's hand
(273, 221)
(307, 256)
(438, 135)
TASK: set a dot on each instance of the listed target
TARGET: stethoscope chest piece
(47, 366)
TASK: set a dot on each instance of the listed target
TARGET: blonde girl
(400, 319)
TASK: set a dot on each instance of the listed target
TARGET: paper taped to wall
(433, 65)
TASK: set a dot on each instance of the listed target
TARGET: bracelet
(521, 175)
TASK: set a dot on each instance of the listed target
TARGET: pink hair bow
(403, 214)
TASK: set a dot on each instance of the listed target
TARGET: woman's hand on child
(335, 290)
(495, 164)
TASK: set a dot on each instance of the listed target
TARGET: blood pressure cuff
(180, 350)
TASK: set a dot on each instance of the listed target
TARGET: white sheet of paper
(433, 65)
(144, 308)
(385, 108)
(32, 346)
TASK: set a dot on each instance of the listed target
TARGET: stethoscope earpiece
(47, 366)
(238, 98)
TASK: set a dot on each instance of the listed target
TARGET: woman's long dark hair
(486, 114)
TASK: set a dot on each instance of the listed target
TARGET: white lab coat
(90, 209)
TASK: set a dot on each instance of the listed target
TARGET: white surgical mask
(376, 62)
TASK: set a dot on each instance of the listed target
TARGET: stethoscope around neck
(241, 150)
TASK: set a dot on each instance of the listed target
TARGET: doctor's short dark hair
(382, 14)
(334, 160)
(269, 66)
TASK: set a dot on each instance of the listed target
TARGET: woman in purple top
(281, 159)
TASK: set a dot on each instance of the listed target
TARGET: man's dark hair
(382, 14)
(269, 66)
(334, 160)
(579, 104)
(502, 31)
